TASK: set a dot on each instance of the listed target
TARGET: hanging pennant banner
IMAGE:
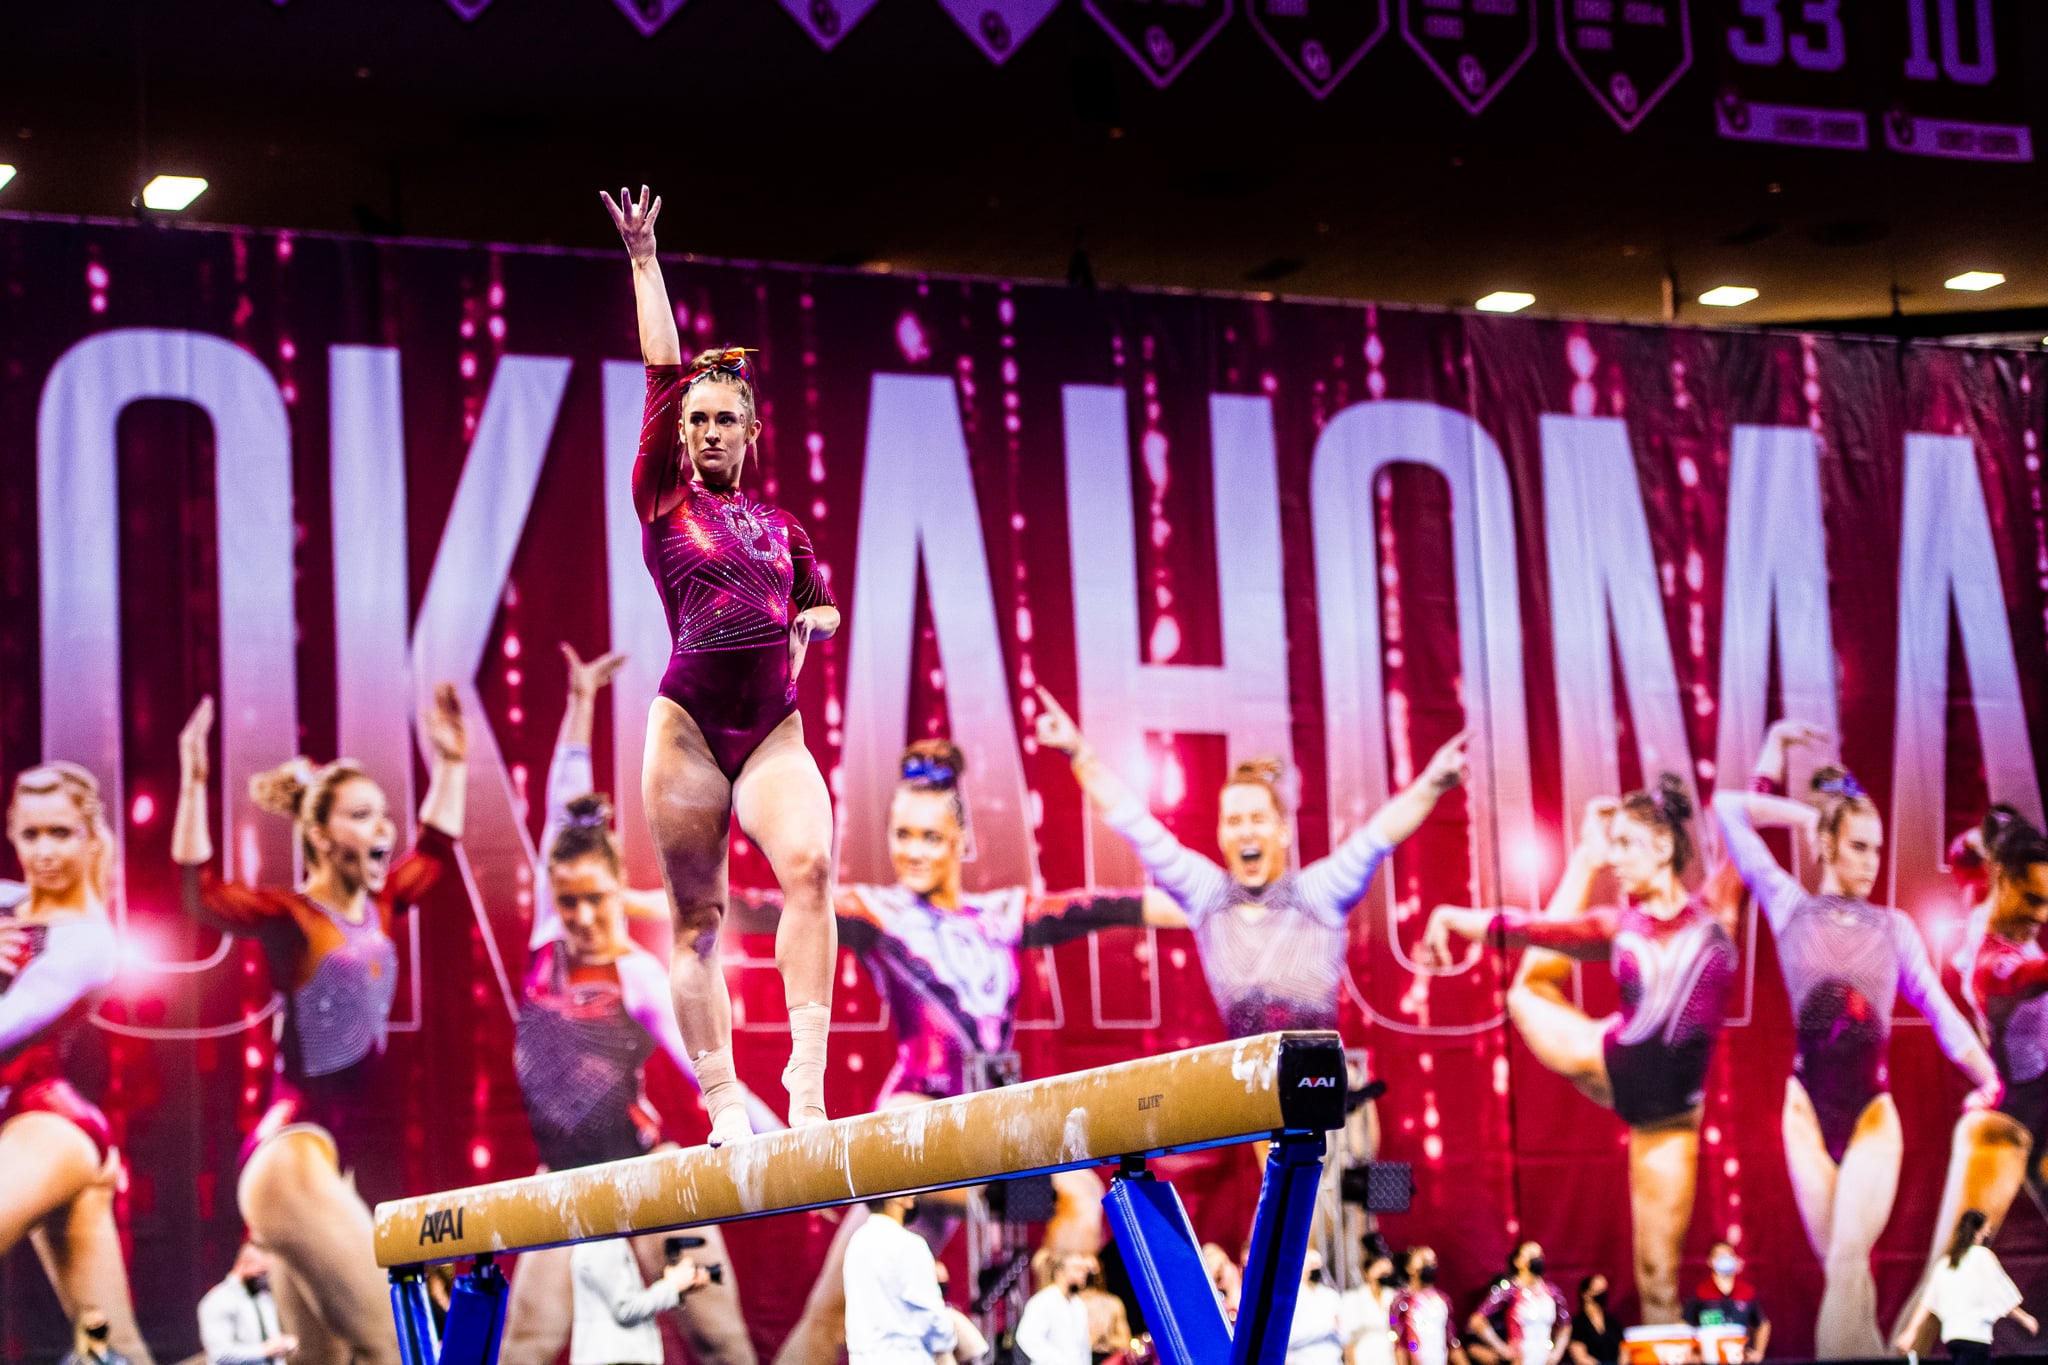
(1958, 82)
(1791, 76)
(1319, 40)
(1629, 53)
(827, 21)
(648, 15)
(999, 27)
(468, 9)
(1474, 46)
(1162, 36)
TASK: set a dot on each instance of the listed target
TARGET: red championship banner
(313, 477)
(1317, 40)
(1162, 36)
(1628, 53)
(1475, 47)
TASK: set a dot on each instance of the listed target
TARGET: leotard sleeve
(1777, 890)
(1056, 919)
(431, 855)
(654, 468)
(231, 907)
(1197, 885)
(1331, 886)
(79, 957)
(2003, 969)
(1919, 984)
(807, 588)
(1587, 938)
(570, 775)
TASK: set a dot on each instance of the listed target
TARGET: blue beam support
(1280, 1232)
(476, 1317)
(417, 1343)
(1165, 1265)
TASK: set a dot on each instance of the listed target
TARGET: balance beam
(1205, 1097)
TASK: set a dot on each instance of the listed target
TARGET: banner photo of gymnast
(1628, 738)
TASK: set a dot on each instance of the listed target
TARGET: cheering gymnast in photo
(1844, 961)
(594, 1008)
(1673, 962)
(58, 1166)
(743, 597)
(331, 954)
(1996, 1152)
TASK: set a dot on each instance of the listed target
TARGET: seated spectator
(1109, 1326)
(238, 1322)
(89, 1340)
(1726, 1299)
(1054, 1327)
(1369, 1309)
(1596, 1336)
(1423, 1331)
(1534, 1310)
(1316, 1336)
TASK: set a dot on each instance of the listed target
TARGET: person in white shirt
(1969, 1292)
(616, 1311)
(1054, 1328)
(1369, 1309)
(1317, 1336)
(895, 1312)
(238, 1322)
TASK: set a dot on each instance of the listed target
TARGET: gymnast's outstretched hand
(635, 221)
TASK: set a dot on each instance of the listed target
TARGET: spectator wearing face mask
(1596, 1336)
(1054, 1328)
(1423, 1331)
(1537, 1318)
(1726, 1299)
(1369, 1309)
(89, 1346)
(896, 1313)
(238, 1322)
(1316, 1337)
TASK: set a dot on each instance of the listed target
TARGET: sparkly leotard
(48, 1046)
(1673, 977)
(951, 975)
(578, 1054)
(733, 573)
(339, 978)
(2007, 986)
(1844, 961)
(1274, 955)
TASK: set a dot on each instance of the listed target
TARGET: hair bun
(1673, 798)
(590, 811)
(282, 790)
(1268, 770)
(933, 765)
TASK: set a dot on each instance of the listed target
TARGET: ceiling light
(1728, 296)
(172, 192)
(1504, 301)
(6, 173)
(1975, 281)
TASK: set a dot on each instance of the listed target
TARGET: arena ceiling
(906, 148)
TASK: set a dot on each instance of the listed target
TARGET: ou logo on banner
(1475, 47)
(998, 27)
(1320, 48)
(1162, 43)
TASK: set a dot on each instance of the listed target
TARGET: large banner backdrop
(312, 476)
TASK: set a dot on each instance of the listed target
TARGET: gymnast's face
(924, 841)
(356, 839)
(1639, 854)
(717, 429)
(2019, 904)
(53, 841)
(586, 892)
(1855, 852)
(1253, 834)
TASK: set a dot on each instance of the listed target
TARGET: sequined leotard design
(1274, 955)
(1844, 961)
(951, 975)
(1673, 976)
(48, 1047)
(733, 573)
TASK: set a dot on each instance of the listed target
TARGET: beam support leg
(414, 1317)
(1280, 1232)
(476, 1316)
(1165, 1264)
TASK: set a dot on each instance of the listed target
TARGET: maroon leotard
(733, 573)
